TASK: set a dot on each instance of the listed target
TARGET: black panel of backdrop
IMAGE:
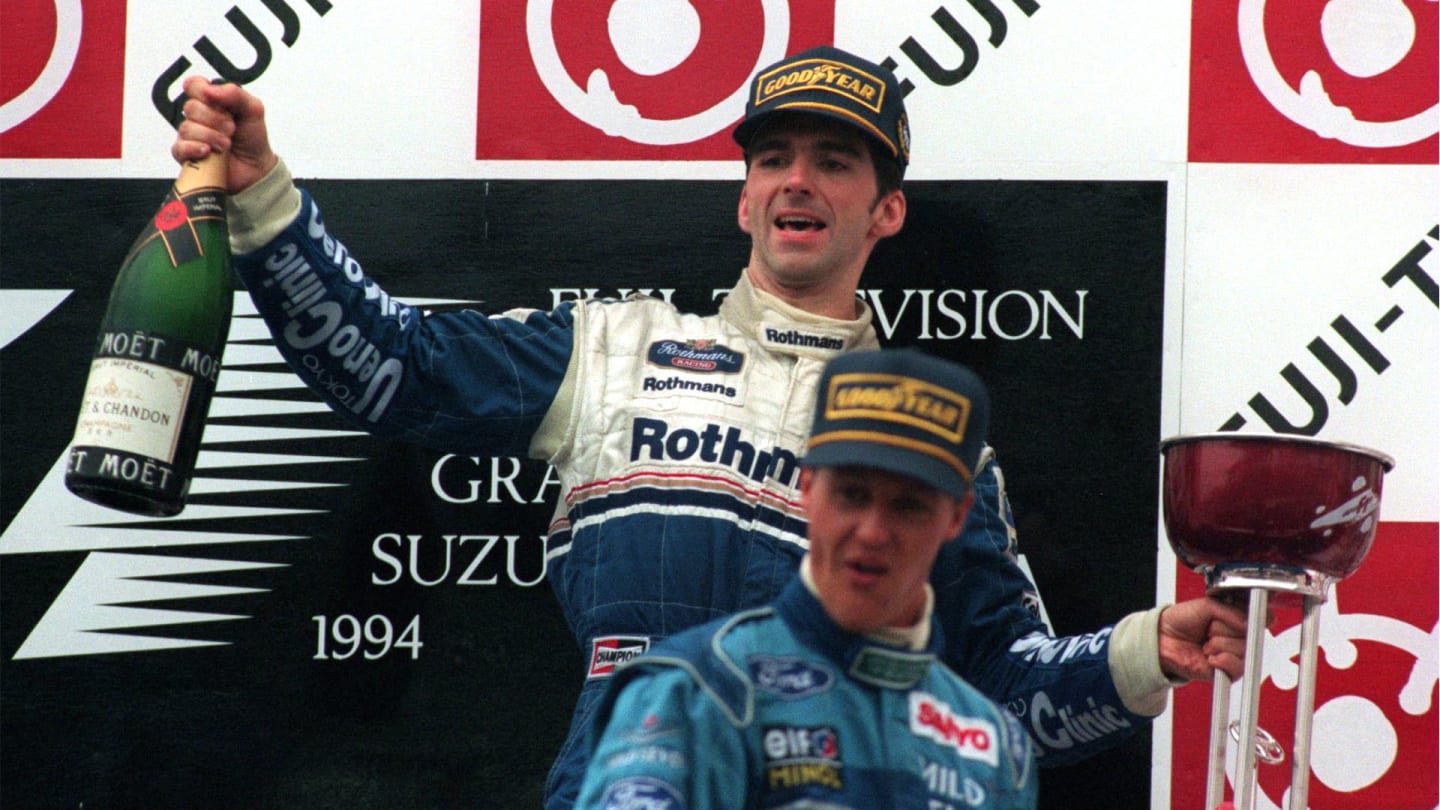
(1053, 291)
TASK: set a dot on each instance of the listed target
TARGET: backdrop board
(1135, 221)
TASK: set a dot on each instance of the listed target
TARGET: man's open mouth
(872, 570)
(793, 223)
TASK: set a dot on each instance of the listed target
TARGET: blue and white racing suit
(676, 439)
(778, 707)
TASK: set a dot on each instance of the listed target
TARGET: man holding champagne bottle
(704, 477)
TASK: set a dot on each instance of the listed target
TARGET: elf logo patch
(1315, 81)
(633, 79)
(62, 61)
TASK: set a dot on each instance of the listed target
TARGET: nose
(799, 180)
(872, 527)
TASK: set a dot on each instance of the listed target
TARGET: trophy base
(1278, 579)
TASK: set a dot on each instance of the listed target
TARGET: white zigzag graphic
(105, 593)
(99, 598)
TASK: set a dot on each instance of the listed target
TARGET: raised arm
(457, 381)
(1076, 695)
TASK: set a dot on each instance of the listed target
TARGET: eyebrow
(843, 147)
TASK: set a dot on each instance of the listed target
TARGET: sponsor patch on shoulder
(790, 678)
(634, 792)
(701, 356)
(650, 730)
(609, 652)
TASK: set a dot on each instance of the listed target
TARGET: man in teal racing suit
(677, 437)
(833, 695)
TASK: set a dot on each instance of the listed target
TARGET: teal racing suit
(780, 708)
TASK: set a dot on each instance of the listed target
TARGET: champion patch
(609, 652)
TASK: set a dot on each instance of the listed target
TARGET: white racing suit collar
(787, 329)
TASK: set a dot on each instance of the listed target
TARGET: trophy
(1262, 516)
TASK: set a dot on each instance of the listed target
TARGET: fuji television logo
(1365, 39)
(650, 38)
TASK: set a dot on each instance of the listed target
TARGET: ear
(806, 476)
(743, 211)
(962, 511)
(888, 215)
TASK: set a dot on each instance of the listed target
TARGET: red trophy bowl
(1271, 500)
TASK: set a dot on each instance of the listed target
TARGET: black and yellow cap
(834, 83)
(902, 411)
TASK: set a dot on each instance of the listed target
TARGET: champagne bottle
(158, 354)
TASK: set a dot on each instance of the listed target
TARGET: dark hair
(888, 174)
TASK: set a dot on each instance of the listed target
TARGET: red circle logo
(171, 215)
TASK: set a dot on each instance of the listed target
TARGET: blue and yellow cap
(834, 83)
(902, 411)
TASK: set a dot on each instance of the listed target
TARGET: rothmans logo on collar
(802, 340)
(821, 74)
(900, 400)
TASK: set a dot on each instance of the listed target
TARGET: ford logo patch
(790, 678)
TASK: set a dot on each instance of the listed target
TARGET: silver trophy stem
(1305, 703)
(1259, 581)
(1245, 776)
(1219, 728)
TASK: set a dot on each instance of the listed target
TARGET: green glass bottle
(157, 358)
